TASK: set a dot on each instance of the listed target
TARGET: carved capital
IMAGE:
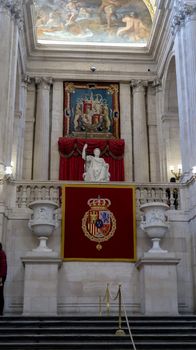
(139, 85)
(43, 82)
(26, 80)
(156, 83)
(182, 13)
(15, 8)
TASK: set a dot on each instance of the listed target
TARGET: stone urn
(43, 222)
(154, 223)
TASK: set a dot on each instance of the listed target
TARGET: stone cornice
(182, 13)
(15, 8)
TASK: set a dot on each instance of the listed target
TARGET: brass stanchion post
(120, 331)
(100, 306)
(107, 300)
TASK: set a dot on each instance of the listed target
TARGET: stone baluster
(42, 126)
(56, 194)
(47, 193)
(138, 194)
(24, 197)
(140, 139)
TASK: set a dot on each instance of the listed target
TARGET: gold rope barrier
(119, 332)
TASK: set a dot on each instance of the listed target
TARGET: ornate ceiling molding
(151, 7)
(15, 8)
(182, 13)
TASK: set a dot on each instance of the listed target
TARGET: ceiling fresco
(93, 21)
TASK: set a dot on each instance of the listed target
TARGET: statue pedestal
(40, 284)
(158, 281)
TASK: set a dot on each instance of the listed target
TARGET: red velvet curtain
(72, 164)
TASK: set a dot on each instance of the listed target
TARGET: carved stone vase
(43, 222)
(154, 223)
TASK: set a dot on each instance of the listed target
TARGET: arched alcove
(170, 122)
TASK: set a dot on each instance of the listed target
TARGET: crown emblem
(99, 203)
(99, 223)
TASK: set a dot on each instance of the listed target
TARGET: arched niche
(170, 122)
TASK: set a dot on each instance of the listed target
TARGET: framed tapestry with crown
(91, 110)
(98, 222)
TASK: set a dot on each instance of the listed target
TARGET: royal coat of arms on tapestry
(99, 223)
(91, 110)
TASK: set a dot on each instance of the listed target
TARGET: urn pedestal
(43, 222)
(158, 284)
(154, 223)
(158, 268)
(41, 264)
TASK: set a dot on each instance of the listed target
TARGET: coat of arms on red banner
(99, 223)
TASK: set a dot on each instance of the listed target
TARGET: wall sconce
(177, 174)
(7, 174)
(194, 170)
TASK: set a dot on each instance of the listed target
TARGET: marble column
(10, 22)
(19, 126)
(29, 132)
(152, 130)
(140, 138)
(159, 113)
(126, 128)
(184, 29)
(56, 128)
(42, 129)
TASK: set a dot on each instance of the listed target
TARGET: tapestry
(98, 223)
(91, 110)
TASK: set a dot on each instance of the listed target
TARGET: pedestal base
(158, 281)
(40, 284)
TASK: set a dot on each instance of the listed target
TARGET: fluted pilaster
(21, 125)
(126, 128)
(29, 131)
(42, 125)
(184, 28)
(154, 161)
(8, 65)
(56, 128)
(140, 139)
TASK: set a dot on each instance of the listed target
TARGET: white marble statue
(96, 169)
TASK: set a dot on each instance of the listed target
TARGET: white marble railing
(27, 192)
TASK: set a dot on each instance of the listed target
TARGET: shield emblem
(99, 223)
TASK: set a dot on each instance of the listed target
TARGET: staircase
(97, 333)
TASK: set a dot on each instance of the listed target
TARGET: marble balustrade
(27, 192)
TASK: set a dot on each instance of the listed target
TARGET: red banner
(98, 222)
(72, 164)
